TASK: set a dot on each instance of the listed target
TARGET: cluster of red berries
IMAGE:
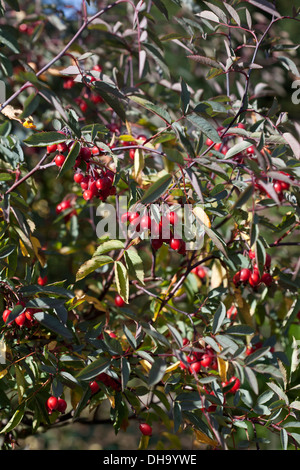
(223, 147)
(96, 183)
(26, 28)
(200, 272)
(87, 94)
(140, 140)
(64, 206)
(234, 383)
(278, 185)
(93, 182)
(25, 319)
(56, 404)
(160, 232)
(252, 276)
(200, 360)
(107, 380)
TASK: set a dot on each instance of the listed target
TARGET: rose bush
(181, 309)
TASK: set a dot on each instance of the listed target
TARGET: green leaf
(282, 395)
(204, 126)
(93, 369)
(240, 330)
(6, 250)
(216, 239)
(70, 158)
(30, 105)
(129, 336)
(185, 97)
(157, 189)
(122, 280)
(243, 197)
(134, 264)
(157, 372)
(219, 317)
(109, 245)
(162, 113)
(54, 324)
(284, 438)
(15, 419)
(8, 40)
(42, 139)
(91, 265)
(125, 372)
(238, 148)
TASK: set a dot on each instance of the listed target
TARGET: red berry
(175, 244)
(206, 360)
(78, 177)
(61, 405)
(94, 387)
(103, 183)
(119, 302)
(5, 315)
(146, 222)
(20, 319)
(85, 183)
(245, 274)
(195, 367)
(52, 403)
(125, 217)
(250, 150)
(97, 68)
(172, 217)
(208, 142)
(62, 147)
(142, 138)
(278, 188)
(88, 195)
(59, 160)
(131, 153)
(268, 261)
(201, 272)
(267, 279)
(85, 153)
(254, 279)
(236, 383)
(236, 279)
(65, 205)
(241, 125)
(251, 254)
(42, 281)
(232, 312)
(156, 243)
(134, 217)
(145, 429)
(51, 148)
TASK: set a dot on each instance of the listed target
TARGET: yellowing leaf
(23, 249)
(204, 439)
(36, 245)
(244, 308)
(77, 300)
(223, 368)
(173, 367)
(201, 215)
(146, 364)
(127, 138)
(112, 401)
(3, 373)
(218, 275)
